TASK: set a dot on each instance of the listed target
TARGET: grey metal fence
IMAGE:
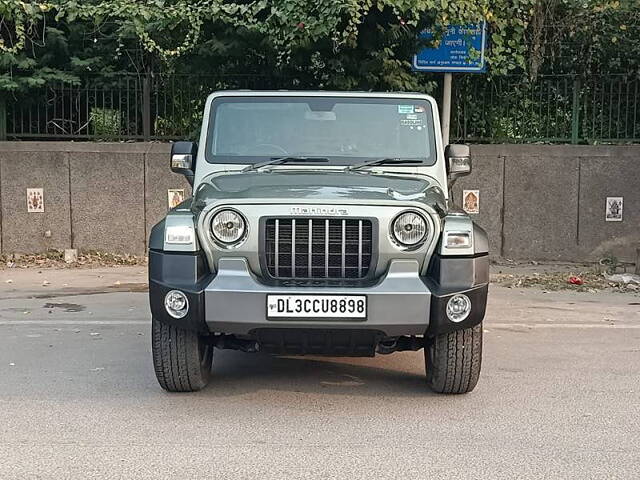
(552, 109)
(120, 107)
(512, 109)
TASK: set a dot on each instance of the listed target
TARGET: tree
(328, 44)
(341, 44)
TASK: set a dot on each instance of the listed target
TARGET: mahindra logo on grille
(327, 211)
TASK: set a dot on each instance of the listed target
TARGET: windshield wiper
(281, 160)
(383, 161)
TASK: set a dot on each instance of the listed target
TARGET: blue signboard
(453, 54)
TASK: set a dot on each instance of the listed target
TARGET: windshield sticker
(412, 117)
(407, 122)
(404, 109)
(419, 109)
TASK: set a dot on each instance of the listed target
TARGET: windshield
(344, 130)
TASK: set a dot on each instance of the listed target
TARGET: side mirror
(458, 159)
(183, 159)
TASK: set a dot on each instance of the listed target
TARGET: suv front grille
(318, 247)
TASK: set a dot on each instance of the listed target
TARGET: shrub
(105, 122)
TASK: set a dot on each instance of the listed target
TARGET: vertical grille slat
(277, 250)
(326, 248)
(359, 248)
(344, 246)
(293, 248)
(309, 248)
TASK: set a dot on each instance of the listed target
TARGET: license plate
(316, 306)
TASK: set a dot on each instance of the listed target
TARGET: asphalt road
(559, 397)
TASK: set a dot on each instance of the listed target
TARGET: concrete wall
(97, 196)
(547, 202)
(536, 201)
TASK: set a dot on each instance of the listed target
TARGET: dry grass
(592, 281)
(55, 259)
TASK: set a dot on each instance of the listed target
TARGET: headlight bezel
(232, 243)
(410, 246)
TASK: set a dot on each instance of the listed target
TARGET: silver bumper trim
(235, 301)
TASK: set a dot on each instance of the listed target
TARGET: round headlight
(410, 228)
(228, 226)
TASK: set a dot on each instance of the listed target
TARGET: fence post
(3, 118)
(575, 112)
(146, 107)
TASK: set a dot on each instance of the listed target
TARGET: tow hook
(231, 342)
(399, 344)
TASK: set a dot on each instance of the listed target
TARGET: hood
(319, 186)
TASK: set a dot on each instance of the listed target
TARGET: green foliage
(609, 263)
(590, 36)
(327, 43)
(22, 68)
(105, 123)
(182, 124)
(321, 44)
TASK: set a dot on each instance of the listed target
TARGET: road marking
(561, 325)
(75, 322)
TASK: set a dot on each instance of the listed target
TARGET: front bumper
(233, 301)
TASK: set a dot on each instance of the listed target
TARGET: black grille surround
(317, 248)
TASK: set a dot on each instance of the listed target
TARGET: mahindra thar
(321, 223)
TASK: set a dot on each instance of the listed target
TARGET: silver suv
(321, 223)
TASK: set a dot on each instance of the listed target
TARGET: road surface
(558, 397)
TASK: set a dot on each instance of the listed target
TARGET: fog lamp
(176, 304)
(458, 308)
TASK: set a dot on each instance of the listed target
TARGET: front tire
(453, 360)
(181, 358)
